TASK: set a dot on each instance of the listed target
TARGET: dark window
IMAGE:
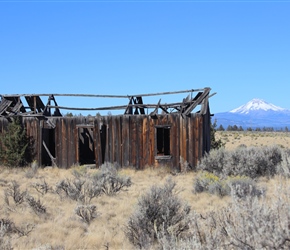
(163, 140)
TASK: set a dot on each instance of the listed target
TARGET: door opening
(48, 147)
(86, 145)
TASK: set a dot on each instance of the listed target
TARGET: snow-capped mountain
(256, 113)
(254, 105)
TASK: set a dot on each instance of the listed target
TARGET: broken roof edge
(108, 96)
(37, 108)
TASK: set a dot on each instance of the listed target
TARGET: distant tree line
(240, 128)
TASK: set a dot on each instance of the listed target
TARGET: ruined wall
(129, 140)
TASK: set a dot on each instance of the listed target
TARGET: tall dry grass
(234, 139)
(61, 228)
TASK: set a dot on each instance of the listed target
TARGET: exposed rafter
(11, 105)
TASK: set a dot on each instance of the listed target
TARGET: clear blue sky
(240, 49)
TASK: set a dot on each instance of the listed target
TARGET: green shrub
(15, 146)
(214, 143)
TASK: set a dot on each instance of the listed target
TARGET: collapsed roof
(14, 105)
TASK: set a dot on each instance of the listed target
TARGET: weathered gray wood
(129, 109)
(169, 105)
(197, 102)
(16, 108)
(129, 140)
(4, 104)
(105, 96)
(136, 102)
(155, 111)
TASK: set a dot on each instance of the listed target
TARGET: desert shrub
(73, 189)
(253, 224)
(80, 171)
(84, 187)
(42, 187)
(283, 167)
(159, 212)
(13, 192)
(253, 162)
(241, 186)
(248, 223)
(86, 212)
(109, 180)
(214, 161)
(218, 188)
(8, 228)
(203, 181)
(36, 205)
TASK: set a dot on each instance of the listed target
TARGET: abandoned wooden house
(180, 133)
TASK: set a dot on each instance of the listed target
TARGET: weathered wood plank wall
(129, 140)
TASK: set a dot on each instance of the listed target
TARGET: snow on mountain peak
(256, 105)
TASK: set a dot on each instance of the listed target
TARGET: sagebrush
(252, 162)
(159, 213)
(242, 186)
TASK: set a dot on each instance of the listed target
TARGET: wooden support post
(50, 155)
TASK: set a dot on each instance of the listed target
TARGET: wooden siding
(128, 140)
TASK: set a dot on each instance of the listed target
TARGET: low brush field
(39, 210)
(234, 139)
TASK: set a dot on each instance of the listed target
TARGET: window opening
(163, 140)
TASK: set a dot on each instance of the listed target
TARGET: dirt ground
(234, 139)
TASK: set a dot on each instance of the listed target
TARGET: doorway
(86, 145)
(48, 147)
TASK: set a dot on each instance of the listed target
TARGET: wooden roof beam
(197, 102)
(129, 109)
(4, 104)
(108, 96)
(47, 109)
(155, 111)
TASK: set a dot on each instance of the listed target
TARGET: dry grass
(61, 228)
(233, 139)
